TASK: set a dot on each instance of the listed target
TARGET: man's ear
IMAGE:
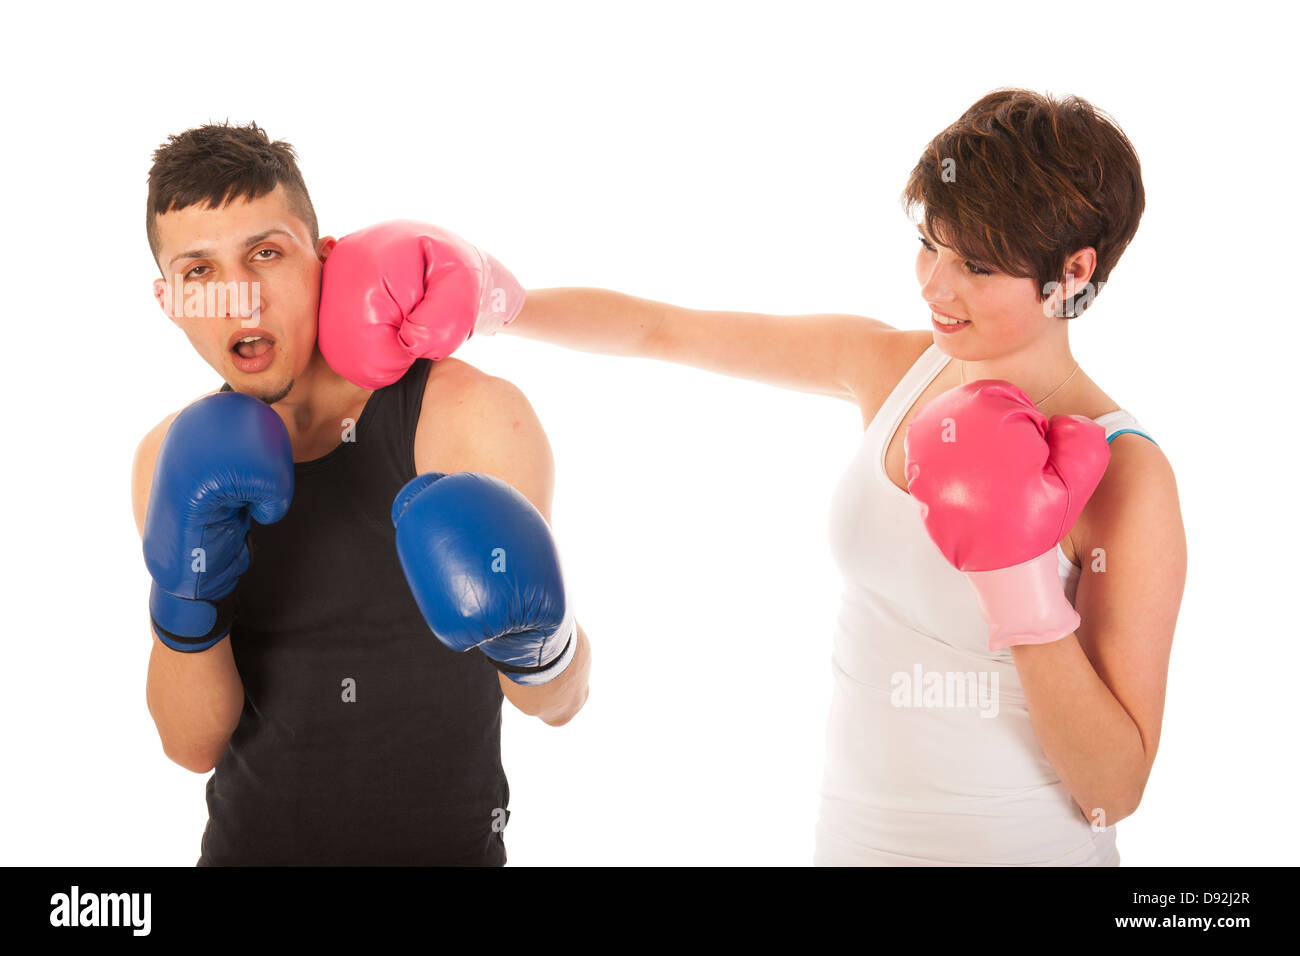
(162, 292)
(325, 246)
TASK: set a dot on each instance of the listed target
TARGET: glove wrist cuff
(1024, 604)
(501, 297)
(565, 638)
(190, 625)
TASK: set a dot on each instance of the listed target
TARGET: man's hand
(485, 573)
(225, 459)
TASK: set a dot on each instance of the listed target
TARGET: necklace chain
(1044, 398)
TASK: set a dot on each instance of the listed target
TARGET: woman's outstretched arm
(835, 355)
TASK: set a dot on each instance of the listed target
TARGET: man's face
(248, 291)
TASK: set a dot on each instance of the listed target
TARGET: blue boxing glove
(485, 573)
(225, 459)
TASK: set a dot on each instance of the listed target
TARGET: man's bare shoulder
(452, 381)
(473, 421)
(146, 454)
(457, 394)
(154, 436)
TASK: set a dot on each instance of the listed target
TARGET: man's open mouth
(251, 350)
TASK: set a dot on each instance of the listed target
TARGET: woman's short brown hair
(1022, 181)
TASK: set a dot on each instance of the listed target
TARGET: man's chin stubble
(278, 396)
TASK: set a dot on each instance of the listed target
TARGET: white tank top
(915, 773)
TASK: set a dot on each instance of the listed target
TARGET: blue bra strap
(1121, 431)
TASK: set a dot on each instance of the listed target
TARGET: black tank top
(363, 740)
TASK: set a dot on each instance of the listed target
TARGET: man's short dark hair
(218, 163)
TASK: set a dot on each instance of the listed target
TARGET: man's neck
(316, 410)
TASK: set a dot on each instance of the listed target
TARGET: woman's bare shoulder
(1138, 493)
(1134, 458)
(883, 367)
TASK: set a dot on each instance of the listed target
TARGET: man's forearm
(557, 701)
(589, 320)
(195, 701)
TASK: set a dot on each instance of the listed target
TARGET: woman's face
(1001, 313)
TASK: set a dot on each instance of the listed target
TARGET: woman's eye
(970, 266)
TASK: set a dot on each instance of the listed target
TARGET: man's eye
(190, 274)
(271, 251)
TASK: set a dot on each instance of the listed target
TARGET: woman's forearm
(589, 320)
(1086, 734)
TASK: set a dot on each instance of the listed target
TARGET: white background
(739, 156)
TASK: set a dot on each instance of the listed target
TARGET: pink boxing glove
(999, 486)
(403, 290)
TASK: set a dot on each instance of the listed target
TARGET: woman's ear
(1080, 267)
(1078, 270)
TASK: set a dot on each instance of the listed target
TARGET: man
(293, 653)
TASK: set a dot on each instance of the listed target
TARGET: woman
(1028, 204)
